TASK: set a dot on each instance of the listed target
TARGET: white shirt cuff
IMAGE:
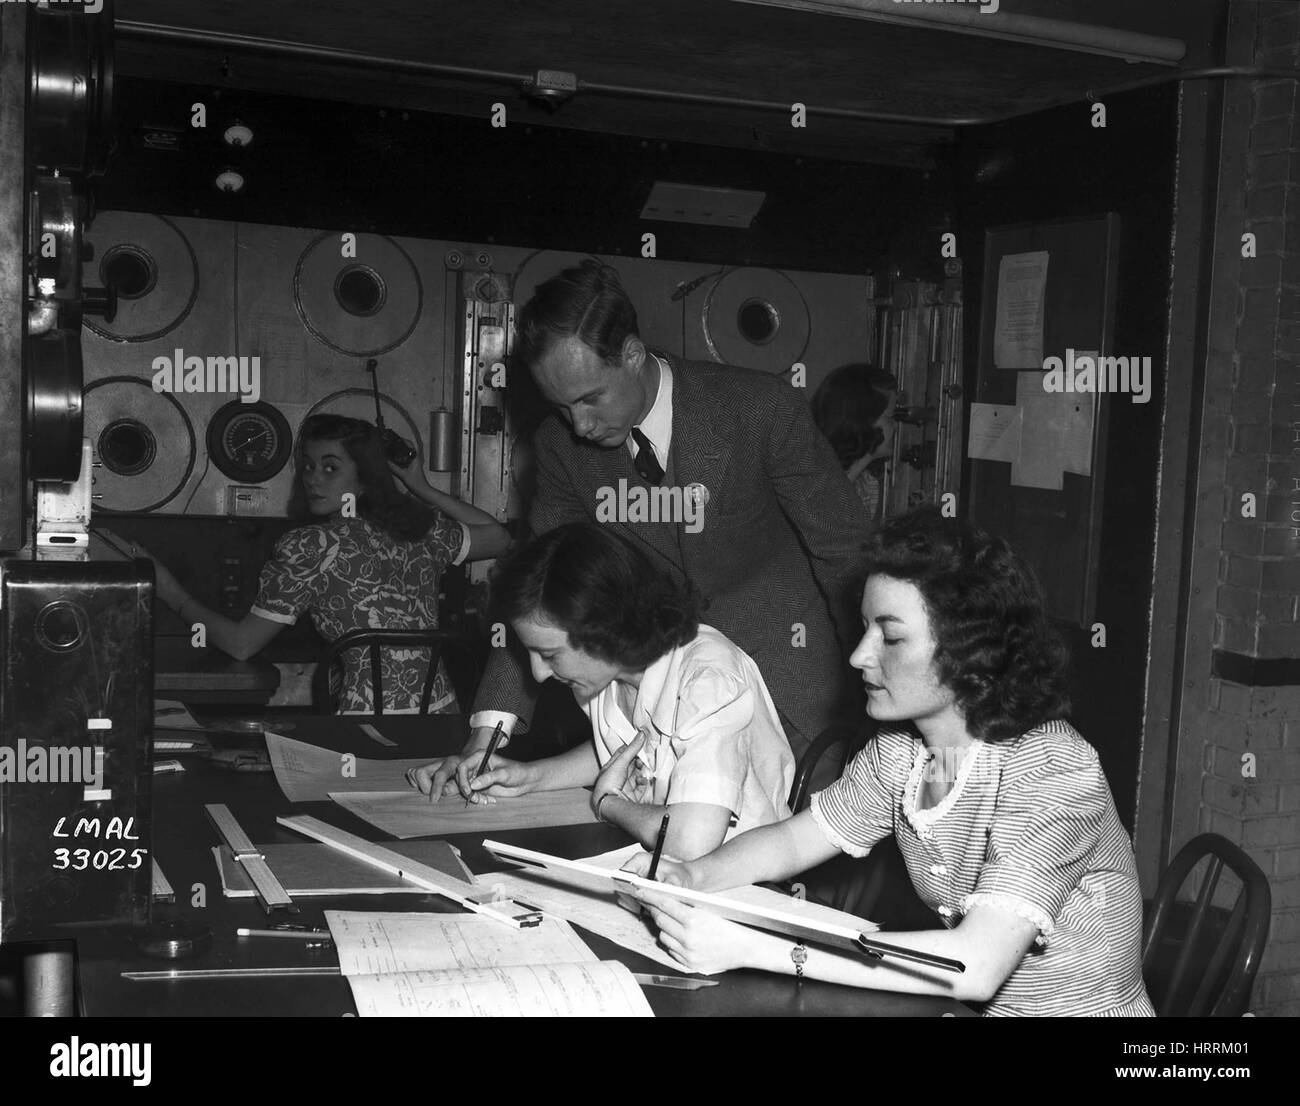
(509, 722)
(464, 550)
(271, 616)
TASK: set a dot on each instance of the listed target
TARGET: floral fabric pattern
(349, 575)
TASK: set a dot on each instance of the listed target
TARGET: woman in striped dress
(1000, 809)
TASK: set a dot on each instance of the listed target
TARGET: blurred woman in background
(854, 409)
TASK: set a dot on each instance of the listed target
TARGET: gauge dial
(249, 442)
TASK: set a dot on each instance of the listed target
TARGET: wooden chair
(1215, 950)
(849, 882)
(853, 735)
(436, 641)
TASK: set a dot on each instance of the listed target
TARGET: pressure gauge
(249, 442)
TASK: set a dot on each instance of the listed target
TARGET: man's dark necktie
(645, 461)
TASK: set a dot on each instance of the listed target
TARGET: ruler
(518, 915)
(161, 889)
(268, 889)
(230, 973)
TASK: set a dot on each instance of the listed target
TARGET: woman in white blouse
(681, 719)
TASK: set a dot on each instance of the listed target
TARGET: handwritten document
(375, 942)
(465, 965)
(604, 989)
(408, 813)
(308, 773)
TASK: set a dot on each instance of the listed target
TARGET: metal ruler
(268, 889)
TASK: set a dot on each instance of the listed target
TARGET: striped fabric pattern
(1029, 827)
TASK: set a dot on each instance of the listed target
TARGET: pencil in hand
(497, 734)
(659, 848)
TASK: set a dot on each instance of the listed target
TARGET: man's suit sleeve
(820, 503)
(507, 684)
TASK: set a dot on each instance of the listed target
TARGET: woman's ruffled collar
(924, 821)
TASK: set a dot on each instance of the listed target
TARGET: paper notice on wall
(994, 432)
(1056, 434)
(1018, 318)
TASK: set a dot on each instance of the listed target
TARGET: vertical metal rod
(49, 981)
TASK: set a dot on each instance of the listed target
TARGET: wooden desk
(183, 846)
(209, 675)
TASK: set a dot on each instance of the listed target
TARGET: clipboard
(787, 922)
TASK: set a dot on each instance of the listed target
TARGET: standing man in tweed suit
(780, 523)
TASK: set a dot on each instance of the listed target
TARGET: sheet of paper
(994, 432)
(321, 870)
(1057, 434)
(308, 773)
(170, 714)
(749, 894)
(407, 813)
(594, 910)
(592, 906)
(377, 943)
(604, 989)
(1018, 323)
(1073, 417)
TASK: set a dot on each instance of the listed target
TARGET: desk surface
(181, 669)
(183, 847)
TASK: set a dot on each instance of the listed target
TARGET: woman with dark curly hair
(1000, 809)
(370, 560)
(681, 720)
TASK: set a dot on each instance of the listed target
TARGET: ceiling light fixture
(238, 135)
(229, 181)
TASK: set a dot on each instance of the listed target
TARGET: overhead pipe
(158, 34)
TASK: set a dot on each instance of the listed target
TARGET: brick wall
(1258, 600)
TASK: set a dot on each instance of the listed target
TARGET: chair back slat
(1223, 979)
(1199, 1007)
(1180, 979)
(376, 680)
(374, 641)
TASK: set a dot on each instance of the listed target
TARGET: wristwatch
(799, 955)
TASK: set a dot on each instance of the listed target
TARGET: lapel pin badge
(698, 494)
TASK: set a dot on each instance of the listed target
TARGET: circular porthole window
(758, 321)
(60, 626)
(127, 447)
(130, 271)
(360, 290)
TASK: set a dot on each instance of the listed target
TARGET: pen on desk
(297, 934)
(659, 848)
(487, 753)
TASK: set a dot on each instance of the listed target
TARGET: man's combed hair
(994, 644)
(613, 602)
(380, 502)
(586, 302)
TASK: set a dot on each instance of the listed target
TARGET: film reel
(142, 438)
(758, 319)
(361, 306)
(151, 265)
